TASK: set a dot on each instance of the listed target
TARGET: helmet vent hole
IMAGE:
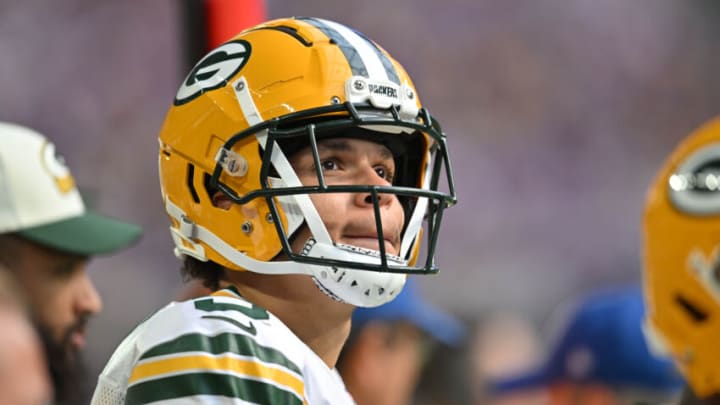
(696, 313)
(191, 186)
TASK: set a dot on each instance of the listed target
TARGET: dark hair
(208, 272)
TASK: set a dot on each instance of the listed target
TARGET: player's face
(59, 291)
(349, 217)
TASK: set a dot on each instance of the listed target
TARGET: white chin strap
(362, 288)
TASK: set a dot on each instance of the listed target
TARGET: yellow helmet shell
(681, 258)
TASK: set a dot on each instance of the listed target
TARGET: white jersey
(219, 349)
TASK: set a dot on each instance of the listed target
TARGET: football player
(298, 169)
(47, 237)
(682, 262)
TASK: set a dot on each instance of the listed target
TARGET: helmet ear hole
(212, 194)
(209, 188)
(221, 200)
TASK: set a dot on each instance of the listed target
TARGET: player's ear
(221, 200)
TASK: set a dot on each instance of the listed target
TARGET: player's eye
(329, 164)
(384, 173)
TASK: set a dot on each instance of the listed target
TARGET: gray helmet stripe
(389, 67)
(363, 56)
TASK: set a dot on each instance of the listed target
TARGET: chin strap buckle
(185, 234)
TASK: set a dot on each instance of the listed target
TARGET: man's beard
(66, 365)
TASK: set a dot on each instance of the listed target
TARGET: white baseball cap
(40, 201)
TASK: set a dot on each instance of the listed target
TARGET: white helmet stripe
(285, 170)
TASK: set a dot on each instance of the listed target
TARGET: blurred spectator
(600, 358)
(23, 375)
(46, 239)
(389, 345)
(498, 344)
(505, 344)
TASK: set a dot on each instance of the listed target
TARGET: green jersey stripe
(191, 384)
(222, 343)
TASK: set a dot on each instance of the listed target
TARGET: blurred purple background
(558, 113)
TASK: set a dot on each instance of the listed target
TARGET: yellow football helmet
(682, 258)
(253, 100)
